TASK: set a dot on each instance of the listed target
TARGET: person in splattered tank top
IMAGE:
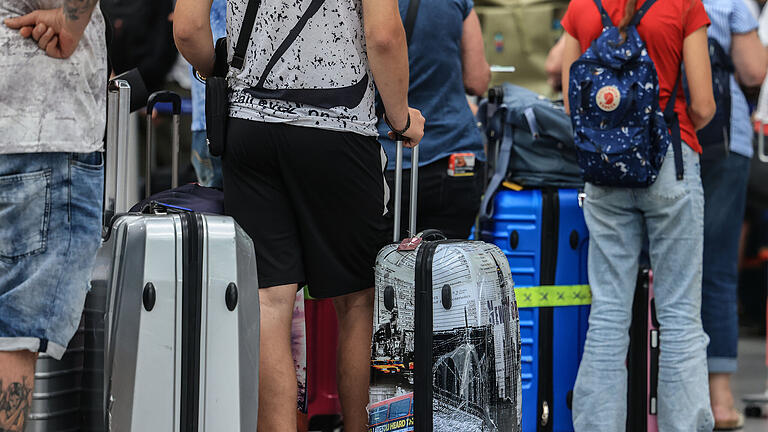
(303, 171)
(669, 213)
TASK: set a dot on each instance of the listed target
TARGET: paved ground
(751, 377)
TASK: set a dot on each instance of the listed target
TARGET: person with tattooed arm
(52, 104)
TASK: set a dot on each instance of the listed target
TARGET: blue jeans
(725, 196)
(207, 167)
(670, 213)
(50, 231)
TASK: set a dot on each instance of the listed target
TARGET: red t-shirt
(663, 29)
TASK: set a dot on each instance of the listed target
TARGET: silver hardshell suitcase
(182, 321)
(446, 341)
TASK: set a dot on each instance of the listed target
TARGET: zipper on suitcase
(550, 222)
(422, 394)
(192, 287)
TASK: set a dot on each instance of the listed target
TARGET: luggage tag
(461, 165)
(410, 243)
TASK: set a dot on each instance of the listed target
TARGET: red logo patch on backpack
(608, 98)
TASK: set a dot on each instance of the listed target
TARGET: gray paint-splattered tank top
(320, 78)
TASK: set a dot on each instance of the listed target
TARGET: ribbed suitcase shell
(180, 360)
(475, 340)
(530, 235)
(56, 397)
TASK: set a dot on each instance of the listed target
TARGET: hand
(415, 131)
(49, 29)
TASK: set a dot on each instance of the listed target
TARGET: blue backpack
(620, 132)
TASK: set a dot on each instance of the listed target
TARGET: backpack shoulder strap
(641, 12)
(245, 34)
(673, 122)
(603, 14)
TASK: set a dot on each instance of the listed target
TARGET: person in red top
(669, 213)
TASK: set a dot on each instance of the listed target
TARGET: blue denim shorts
(50, 231)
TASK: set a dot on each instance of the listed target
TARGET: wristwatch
(398, 132)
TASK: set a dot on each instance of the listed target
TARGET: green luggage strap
(553, 295)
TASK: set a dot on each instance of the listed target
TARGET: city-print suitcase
(446, 343)
(643, 358)
(182, 322)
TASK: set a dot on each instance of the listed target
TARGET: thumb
(29, 19)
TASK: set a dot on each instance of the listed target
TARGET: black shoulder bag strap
(673, 122)
(238, 59)
(410, 19)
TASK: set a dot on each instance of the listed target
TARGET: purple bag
(190, 197)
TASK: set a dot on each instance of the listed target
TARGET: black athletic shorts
(312, 200)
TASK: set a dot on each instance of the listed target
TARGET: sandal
(730, 425)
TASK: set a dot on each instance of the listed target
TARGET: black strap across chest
(349, 96)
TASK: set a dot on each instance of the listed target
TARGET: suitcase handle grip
(154, 99)
(399, 139)
(164, 96)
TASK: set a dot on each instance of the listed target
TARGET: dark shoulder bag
(216, 90)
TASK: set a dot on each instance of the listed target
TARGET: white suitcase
(446, 343)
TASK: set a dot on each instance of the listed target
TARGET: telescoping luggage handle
(399, 140)
(116, 184)
(175, 100)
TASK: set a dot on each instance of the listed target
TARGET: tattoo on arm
(74, 10)
(15, 400)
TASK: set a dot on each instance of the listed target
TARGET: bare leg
(277, 376)
(17, 379)
(355, 314)
(721, 398)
